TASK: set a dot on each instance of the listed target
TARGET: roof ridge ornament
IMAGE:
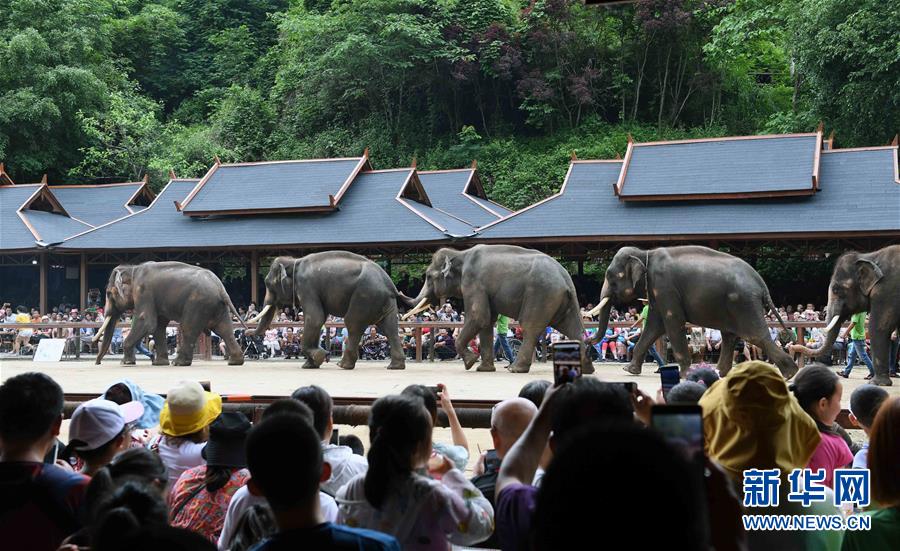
(474, 163)
(172, 174)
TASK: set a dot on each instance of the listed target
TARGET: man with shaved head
(509, 419)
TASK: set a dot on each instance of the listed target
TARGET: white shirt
(344, 466)
(179, 455)
(242, 500)
(714, 335)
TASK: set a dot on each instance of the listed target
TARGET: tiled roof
(370, 213)
(21, 228)
(859, 191)
(721, 168)
(273, 187)
(459, 193)
(97, 205)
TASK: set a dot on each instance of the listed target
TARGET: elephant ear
(447, 267)
(283, 278)
(120, 284)
(869, 274)
(636, 270)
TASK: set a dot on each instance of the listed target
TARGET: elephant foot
(486, 366)
(346, 364)
(587, 368)
(397, 365)
(469, 360)
(519, 368)
(177, 362)
(881, 380)
(165, 363)
(309, 365)
(633, 369)
(128, 362)
(317, 356)
(236, 361)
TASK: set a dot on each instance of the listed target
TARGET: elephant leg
(313, 319)
(530, 335)
(573, 329)
(190, 330)
(486, 344)
(390, 327)
(350, 352)
(160, 353)
(726, 353)
(776, 355)
(141, 326)
(653, 330)
(478, 317)
(232, 349)
(880, 326)
(678, 339)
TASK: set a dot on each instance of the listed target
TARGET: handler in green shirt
(501, 342)
(856, 345)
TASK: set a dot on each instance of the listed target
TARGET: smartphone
(669, 376)
(334, 437)
(436, 390)
(682, 427)
(566, 361)
(630, 388)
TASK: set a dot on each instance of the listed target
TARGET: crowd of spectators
(568, 465)
(616, 345)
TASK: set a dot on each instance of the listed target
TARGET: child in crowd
(864, 404)
(99, 430)
(818, 391)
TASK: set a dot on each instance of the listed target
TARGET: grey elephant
(866, 282)
(691, 284)
(334, 283)
(160, 292)
(524, 284)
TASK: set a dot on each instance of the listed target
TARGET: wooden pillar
(418, 334)
(581, 267)
(44, 276)
(82, 280)
(254, 278)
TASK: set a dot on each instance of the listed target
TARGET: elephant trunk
(835, 321)
(422, 301)
(264, 319)
(601, 311)
(107, 331)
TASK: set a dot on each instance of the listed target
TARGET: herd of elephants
(685, 284)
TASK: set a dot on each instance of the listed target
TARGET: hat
(96, 422)
(227, 436)
(188, 408)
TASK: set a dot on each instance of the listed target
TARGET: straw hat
(188, 409)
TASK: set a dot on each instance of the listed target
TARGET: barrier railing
(204, 350)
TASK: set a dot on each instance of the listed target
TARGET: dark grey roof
(447, 222)
(490, 205)
(446, 190)
(756, 164)
(14, 233)
(271, 186)
(858, 192)
(369, 213)
(96, 205)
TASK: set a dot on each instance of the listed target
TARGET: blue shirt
(329, 536)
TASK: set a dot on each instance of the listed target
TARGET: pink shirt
(831, 453)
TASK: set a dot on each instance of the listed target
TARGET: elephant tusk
(596, 309)
(423, 305)
(831, 324)
(102, 330)
(259, 316)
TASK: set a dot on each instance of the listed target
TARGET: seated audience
(99, 430)
(284, 455)
(534, 391)
(444, 345)
(864, 404)
(343, 463)
(354, 443)
(705, 375)
(818, 391)
(422, 512)
(884, 453)
(41, 503)
(685, 392)
(184, 423)
(125, 391)
(199, 499)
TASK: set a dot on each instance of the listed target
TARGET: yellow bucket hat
(751, 420)
(188, 408)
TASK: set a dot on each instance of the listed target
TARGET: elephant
(524, 284)
(160, 292)
(696, 285)
(866, 282)
(335, 283)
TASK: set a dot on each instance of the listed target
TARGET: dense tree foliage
(106, 90)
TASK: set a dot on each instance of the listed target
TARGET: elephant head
(443, 279)
(853, 278)
(119, 298)
(280, 289)
(624, 283)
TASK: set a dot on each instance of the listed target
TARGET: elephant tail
(234, 312)
(771, 306)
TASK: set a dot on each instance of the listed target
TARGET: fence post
(418, 334)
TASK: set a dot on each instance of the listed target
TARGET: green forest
(109, 90)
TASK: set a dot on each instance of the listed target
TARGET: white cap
(98, 421)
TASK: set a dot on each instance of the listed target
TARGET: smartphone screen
(682, 427)
(669, 376)
(334, 437)
(566, 361)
